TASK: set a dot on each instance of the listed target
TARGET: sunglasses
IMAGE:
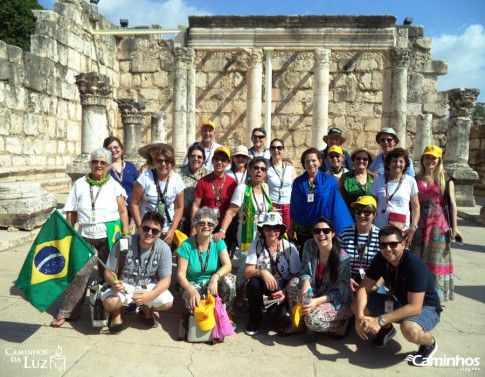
(272, 228)
(197, 156)
(260, 168)
(260, 137)
(96, 162)
(162, 161)
(386, 139)
(147, 229)
(359, 212)
(322, 230)
(218, 159)
(365, 159)
(208, 224)
(279, 147)
(392, 245)
(334, 155)
(241, 156)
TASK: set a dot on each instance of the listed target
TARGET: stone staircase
(51, 178)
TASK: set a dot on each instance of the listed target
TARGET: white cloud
(168, 14)
(465, 54)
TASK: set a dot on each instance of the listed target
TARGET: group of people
(354, 235)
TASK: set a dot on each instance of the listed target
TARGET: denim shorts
(427, 319)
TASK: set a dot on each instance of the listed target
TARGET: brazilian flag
(57, 254)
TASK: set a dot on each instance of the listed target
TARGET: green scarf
(248, 228)
(113, 230)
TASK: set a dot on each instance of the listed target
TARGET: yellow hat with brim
(433, 150)
(204, 313)
(364, 201)
(208, 123)
(335, 149)
(223, 149)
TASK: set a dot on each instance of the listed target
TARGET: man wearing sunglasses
(140, 274)
(411, 298)
(388, 140)
(334, 138)
(258, 138)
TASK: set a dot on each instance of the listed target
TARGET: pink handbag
(223, 326)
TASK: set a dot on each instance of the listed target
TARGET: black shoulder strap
(287, 249)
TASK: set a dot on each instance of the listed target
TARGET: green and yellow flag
(57, 254)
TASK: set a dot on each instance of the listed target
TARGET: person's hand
(408, 236)
(269, 280)
(194, 299)
(456, 235)
(360, 326)
(305, 309)
(118, 286)
(278, 295)
(169, 236)
(353, 285)
(305, 287)
(212, 286)
(141, 297)
(219, 236)
(371, 325)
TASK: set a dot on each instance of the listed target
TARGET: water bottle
(307, 296)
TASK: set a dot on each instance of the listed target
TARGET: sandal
(289, 331)
(148, 321)
(58, 320)
(115, 328)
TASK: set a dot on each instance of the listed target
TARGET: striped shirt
(346, 239)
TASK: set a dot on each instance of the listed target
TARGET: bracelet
(222, 230)
(218, 274)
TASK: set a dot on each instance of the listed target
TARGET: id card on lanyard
(92, 216)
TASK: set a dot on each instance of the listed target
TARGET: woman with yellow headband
(437, 225)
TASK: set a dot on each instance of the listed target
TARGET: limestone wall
(40, 111)
(476, 159)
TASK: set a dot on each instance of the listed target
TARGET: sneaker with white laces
(423, 357)
(383, 336)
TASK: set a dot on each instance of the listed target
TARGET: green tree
(17, 22)
(478, 110)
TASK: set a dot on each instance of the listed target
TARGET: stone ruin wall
(355, 99)
(476, 159)
(40, 111)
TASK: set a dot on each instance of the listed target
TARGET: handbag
(223, 325)
(99, 316)
(397, 219)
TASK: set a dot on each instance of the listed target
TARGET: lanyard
(218, 190)
(281, 177)
(243, 175)
(147, 261)
(362, 248)
(161, 197)
(119, 177)
(93, 199)
(389, 198)
(273, 262)
(392, 287)
(203, 266)
(263, 204)
(207, 159)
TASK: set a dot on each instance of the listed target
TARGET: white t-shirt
(209, 153)
(149, 200)
(400, 200)
(274, 180)
(284, 270)
(105, 206)
(239, 177)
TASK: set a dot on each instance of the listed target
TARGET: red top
(206, 192)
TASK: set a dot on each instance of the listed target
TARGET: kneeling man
(411, 299)
(145, 277)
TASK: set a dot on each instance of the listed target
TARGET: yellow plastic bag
(296, 315)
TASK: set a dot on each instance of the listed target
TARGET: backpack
(287, 249)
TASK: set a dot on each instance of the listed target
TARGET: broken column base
(25, 205)
(79, 167)
(464, 178)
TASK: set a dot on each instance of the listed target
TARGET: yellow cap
(209, 123)
(365, 201)
(335, 149)
(204, 314)
(433, 150)
(223, 149)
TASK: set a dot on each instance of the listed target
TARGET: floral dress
(431, 241)
(351, 189)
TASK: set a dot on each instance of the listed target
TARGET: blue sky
(456, 26)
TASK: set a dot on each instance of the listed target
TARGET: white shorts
(127, 297)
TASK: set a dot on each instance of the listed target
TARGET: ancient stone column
(254, 94)
(184, 59)
(456, 155)
(132, 116)
(320, 96)
(158, 129)
(423, 137)
(395, 92)
(95, 91)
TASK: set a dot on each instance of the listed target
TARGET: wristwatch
(382, 321)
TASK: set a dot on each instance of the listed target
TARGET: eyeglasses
(96, 162)
(272, 228)
(204, 223)
(260, 137)
(279, 147)
(222, 159)
(147, 229)
(196, 156)
(241, 156)
(365, 159)
(359, 212)
(392, 245)
(385, 139)
(114, 147)
(334, 155)
(322, 230)
(260, 168)
(162, 161)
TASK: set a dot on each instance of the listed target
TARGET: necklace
(92, 182)
(119, 177)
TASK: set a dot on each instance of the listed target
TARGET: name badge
(310, 198)
(161, 209)
(92, 218)
(388, 306)
(362, 273)
(217, 212)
